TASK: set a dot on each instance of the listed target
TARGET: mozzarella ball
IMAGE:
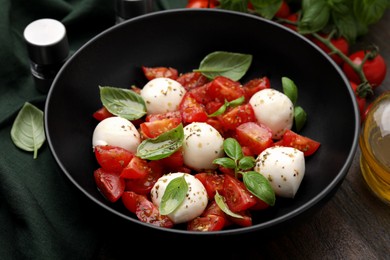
(202, 144)
(116, 131)
(274, 109)
(194, 203)
(284, 167)
(162, 95)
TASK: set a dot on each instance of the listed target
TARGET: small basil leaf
(225, 162)
(290, 89)
(174, 195)
(123, 102)
(27, 131)
(299, 118)
(232, 148)
(259, 186)
(162, 146)
(246, 163)
(228, 64)
(220, 200)
(236, 102)
(220, 110)
(267, 8)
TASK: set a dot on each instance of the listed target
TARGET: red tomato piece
(222, 88)
(212, 182)
(145, 210)
(236, 116)
(237, 197)
(102, 114)
(143, 186)
(200, 94)
(137, 168)
(256, 136)
(110, 185)
(191, 80)
(305, 144)
(157, 127)
(360, 98)
(260, 205)
(283, 11)
(160, 72)
(207, 223)
(202, 4)
(191, 110)
(293, 18)
(112, 158)
(255, 85)
(374, 68)
(154, 117)
(245, 221)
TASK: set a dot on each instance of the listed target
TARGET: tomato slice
(305, 144)
(200, 94)
(102, 114)
(137, 168)
(191, 110)
(173, 162)
(191, 80)
(144, 185)
(207, 223)
(157, 127)
(145, 210)
(256, 136)
(110, 185)
(213, 182)
(255, 85)
(160, 72)
(170, 114)
(237, 197)
(112, 158)
(223, 88)
(245, 221)
(236, 116)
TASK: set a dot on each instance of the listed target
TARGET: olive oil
(374, 142)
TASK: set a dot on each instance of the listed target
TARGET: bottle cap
(46, 41)
(126, 9)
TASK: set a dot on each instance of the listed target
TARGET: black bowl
(181, 38)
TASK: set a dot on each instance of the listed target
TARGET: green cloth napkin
(42, 215)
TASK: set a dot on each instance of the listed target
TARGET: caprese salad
(200, 149)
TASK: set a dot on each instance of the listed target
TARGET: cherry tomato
(374, 68)
(157, 127)
(361, 101)
(192, 80)
(102, 114)
(110, 185)
(256, 136)
(173, 162)
(191, 110)
(236, 116)
(340, 43)
(145, 210)
(207, 223)
(136, 169)
(202, 4)
(222, 88)
(284, 10)
(245, 221)
(294, 17)
(144, 186)
(212, 182)
(255, 85)
(158, 72)
(154, 117)
(112, 158)
(305, 144)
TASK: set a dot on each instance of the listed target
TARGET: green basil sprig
(122, 102)
(256, 183)
(228, 64)
(163, 145)
(291, 90)
(27, 131)
(227, 104)
(174, 195)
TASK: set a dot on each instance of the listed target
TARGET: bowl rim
(310, 204)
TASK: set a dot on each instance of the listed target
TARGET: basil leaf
(300, 117)
(174, 195)
(228, 64)
(246, 163)
(267, 8)
(259, 186)
(234, 5)
(225, 162)
(232, 148)
(162, 146)
(27, 131)
(315, 16)
(220, 110)
(369, 12)
(290, 89)
(123, 102)
(220, 200)
(236, 102)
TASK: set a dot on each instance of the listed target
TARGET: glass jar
(374, 143)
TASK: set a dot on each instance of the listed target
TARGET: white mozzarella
(274, 109)
(202, 144)
(162, 95)
(194, 203)
(284, 167)
(116, 131)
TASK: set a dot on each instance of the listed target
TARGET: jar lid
(46, 41)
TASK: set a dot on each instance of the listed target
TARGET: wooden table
(354, 224)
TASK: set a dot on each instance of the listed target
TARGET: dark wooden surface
(353, 224)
